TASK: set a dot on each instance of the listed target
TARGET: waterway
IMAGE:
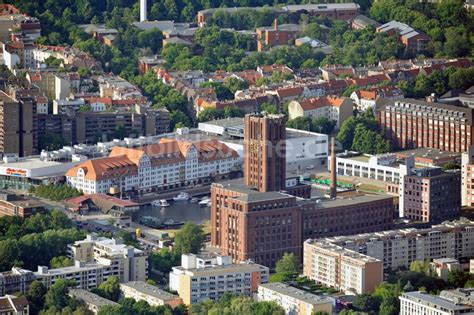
(180, 211)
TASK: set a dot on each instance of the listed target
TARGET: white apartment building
(449, 302)
(399, 248)
(293, 300)
(341, 268)
(200, 278)
(64, 106)
(128, 263)
(142, 291)
(336, 109)
(169, 163)
(87, 275)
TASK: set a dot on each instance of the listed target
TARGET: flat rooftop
(434, 154)
(296, 293)
(222, 269)
(348, 200)
(90, 298)
(428, 299)
(31, 163)
(150, 290)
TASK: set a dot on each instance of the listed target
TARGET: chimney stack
(143, 10)
(333, 187)
(275, 23)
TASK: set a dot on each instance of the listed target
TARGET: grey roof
(161, 25)
(150, 290)
(90, 298)
(322, 7)
(255, 196)
(350, 200)
(431, 300)
(296, 293)
(365, 20)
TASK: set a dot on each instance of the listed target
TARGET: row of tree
(55, 192)
(320, 124)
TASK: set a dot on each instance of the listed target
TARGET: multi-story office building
(170, 163)
(293, 300)
(261, 219)
(16, 280)
(200, 278)
(399, 248)
(18, 125)
(142, 291)
(14, 305)
(431, 195)
(16, 205)
(341, 268)
(411, 123)
(449, 302)
(128, 263)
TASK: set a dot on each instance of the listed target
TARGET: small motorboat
(160, 203)
(206, 202)
(182, 196)
(193, 200)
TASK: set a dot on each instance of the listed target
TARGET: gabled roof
(291, 91)
(107, 167)
(319, 102)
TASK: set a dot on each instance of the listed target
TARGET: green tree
(366, 303)
(420, 266)
(164, 260)
(36, 296)
(110, 289)
(269, 108)
(60, 262)
(189, 239)
(151, 38)
(457, 278)
(233, 111)
(390, 306)
(57, 296)
(288, 264)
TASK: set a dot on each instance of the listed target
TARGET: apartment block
(467, 177)
(128, 263)
(142, 291)
(85, 275)
(18, 125)
(16, 280)
(399, 248)
(341, 268)
(13, 305)
(411, 123)
(293, 300)
(431, 195)
(449, 302)
(200, 278)
(93, 301)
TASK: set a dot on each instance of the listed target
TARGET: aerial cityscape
(234, 157)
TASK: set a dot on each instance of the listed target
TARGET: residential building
(200, 277)
(467, 177)
(337, 109)
(93, 301)
(367, 99)
(169, 163)
(411, 38)
(13, 305)
(62, 125)
(278, 35)
(86, 275)
(67, 106)
(18, 125)
(128, 263)
(443, 266)
(431, 195)
(449, 302)
(16, 280)
(142, 291)
(361, 21)
(399, 248)
(243, 214)
(341, 268)
(17, 205)
(411, 123)
(293, 300)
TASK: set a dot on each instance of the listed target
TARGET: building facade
(399, 248)
(170, 163)
(341, 268)
(293, 300)
(431, 195)
(13, 305)
(16, 280)
(410, 123)
(200, 278)
(449, 302)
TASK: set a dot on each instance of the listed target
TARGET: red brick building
(268, 37)
(410, 123)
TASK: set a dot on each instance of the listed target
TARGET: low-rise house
(443, 266)
(142, 291)
(93, 301)
(414, 40)
(361, 21)
(293, 300)
(366, 99)
(13, 305)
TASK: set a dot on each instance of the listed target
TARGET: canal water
(179, 211)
